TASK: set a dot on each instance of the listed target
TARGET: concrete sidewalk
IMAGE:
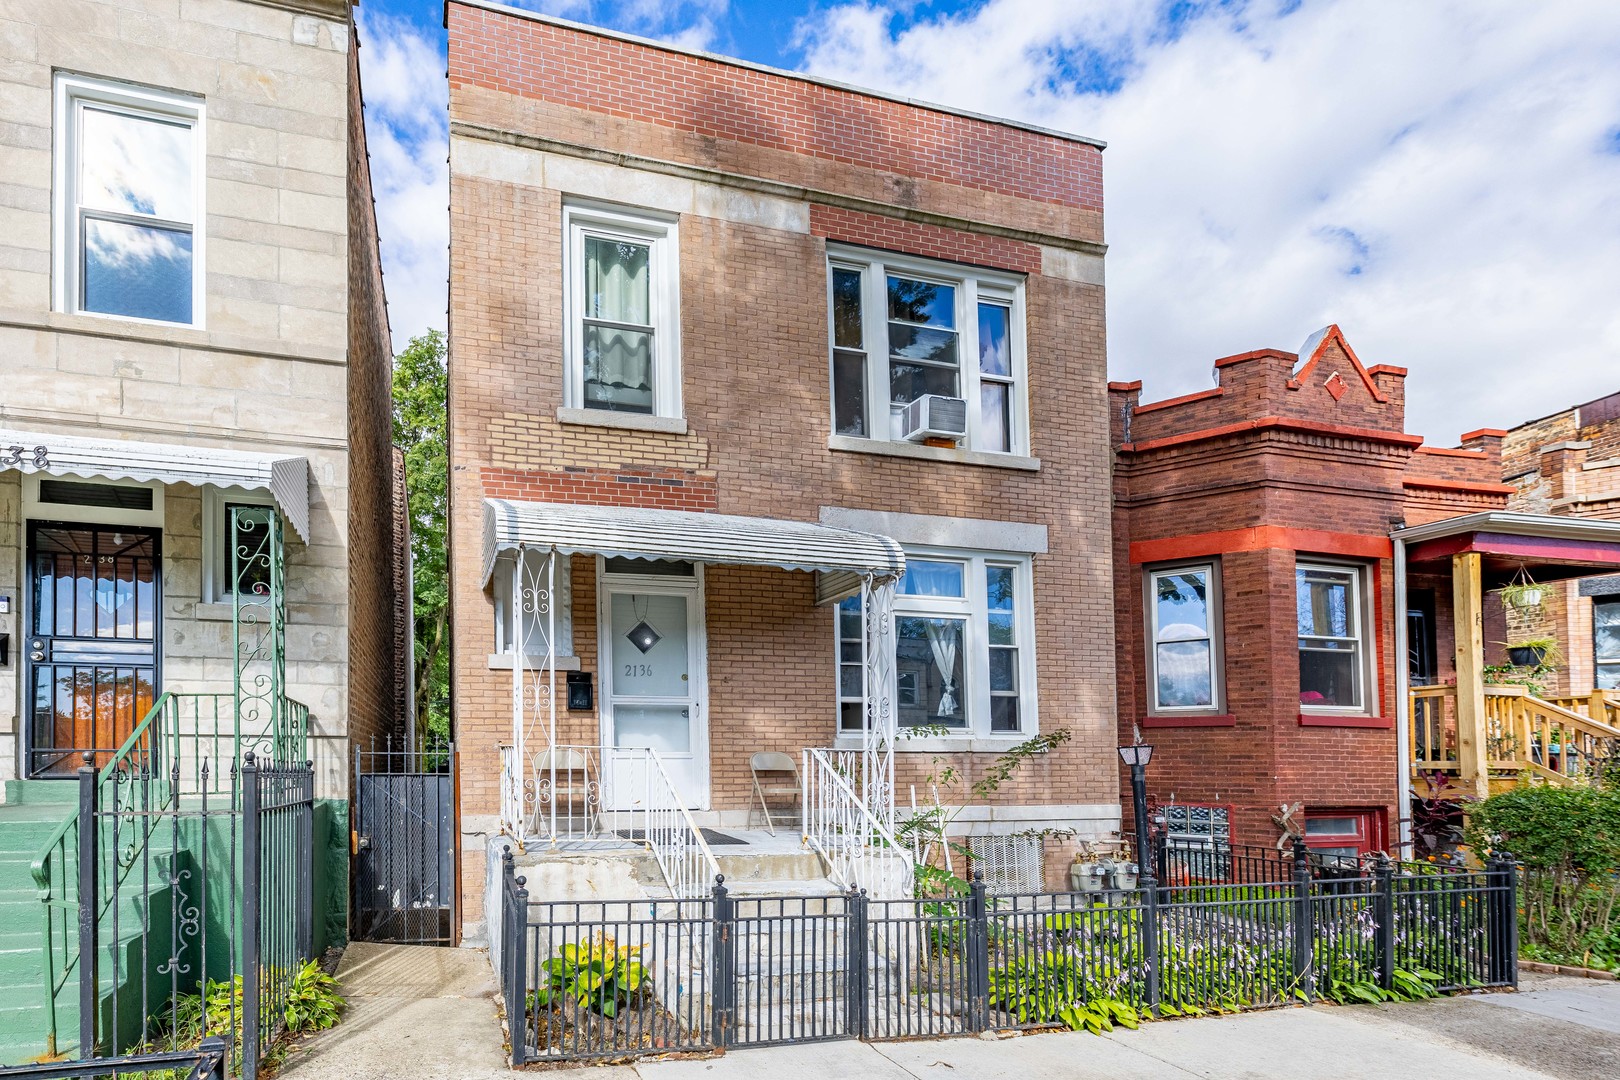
(431, 1014)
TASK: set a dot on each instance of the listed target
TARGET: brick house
(1280, 543)
(670, 411)
(1568, 465)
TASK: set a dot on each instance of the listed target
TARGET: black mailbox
(579, 690)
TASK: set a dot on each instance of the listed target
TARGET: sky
(1439, 177)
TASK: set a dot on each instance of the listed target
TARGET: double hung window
(623, 332)
(902, 328)
(1332, 643)
(1183, 648)
(1606, 641)
(129, 201)
(963, 662)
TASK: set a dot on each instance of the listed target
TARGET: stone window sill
(668, 425)
(1339, 720)
(1190, 720)
(886, 448)
(944, 744)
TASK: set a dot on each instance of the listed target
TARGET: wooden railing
(1549, 739)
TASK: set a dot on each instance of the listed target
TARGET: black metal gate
(404, 839)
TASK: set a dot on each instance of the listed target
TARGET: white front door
(653, 687)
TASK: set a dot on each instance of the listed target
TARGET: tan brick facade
(542, 112)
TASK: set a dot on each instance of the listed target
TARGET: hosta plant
(599, 975)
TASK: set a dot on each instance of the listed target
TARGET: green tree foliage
(420, 387)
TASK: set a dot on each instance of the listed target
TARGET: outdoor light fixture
(1139, 754)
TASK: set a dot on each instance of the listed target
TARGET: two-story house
(196, 474)
(778, 427)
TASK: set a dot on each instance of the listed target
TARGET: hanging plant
(1522, 592)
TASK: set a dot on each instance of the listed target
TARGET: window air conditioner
(935, 416)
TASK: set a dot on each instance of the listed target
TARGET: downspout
(1403, 701)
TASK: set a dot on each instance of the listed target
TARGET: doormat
(709, 835)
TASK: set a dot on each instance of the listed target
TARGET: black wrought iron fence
(612, 979)
(206, 1061)
(202, 915)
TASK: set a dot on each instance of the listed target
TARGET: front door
(92, 651)
(652, 690)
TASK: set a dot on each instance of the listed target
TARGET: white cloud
(407, 134)
(1441, 179)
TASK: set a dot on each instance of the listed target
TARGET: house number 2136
(638, 671)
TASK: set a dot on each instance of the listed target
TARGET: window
(1344, 833)
(623, 340)
(1183, 657)
(534, 617)
(1332, 660)
(1010, 864)
(1197, 827)
(129, 197)
(251, 567)
(1606, 641)
(962, 633)
(902, 328)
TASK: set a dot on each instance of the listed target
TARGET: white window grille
(1010, 864)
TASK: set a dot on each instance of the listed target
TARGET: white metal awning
(285, 477)
(838, 555)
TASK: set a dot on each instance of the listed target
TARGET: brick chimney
(1490, 441)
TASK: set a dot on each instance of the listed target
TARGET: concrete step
(59, 793)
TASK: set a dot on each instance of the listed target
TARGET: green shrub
(599, 975)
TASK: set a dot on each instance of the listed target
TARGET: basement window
(1010, 864)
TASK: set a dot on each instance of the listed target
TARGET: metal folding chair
(773, 764)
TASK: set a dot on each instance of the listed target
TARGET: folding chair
(774, 764)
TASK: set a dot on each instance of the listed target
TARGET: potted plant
(1534, 652)
(1522, 592)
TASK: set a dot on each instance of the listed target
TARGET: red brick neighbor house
(778, 422)
(1290, 569)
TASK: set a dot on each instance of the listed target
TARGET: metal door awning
(285, 477)
(842, 558)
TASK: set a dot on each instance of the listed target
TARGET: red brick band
(936, 241)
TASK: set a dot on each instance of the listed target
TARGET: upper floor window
(1332, 637)
(963, 633)
(904, 328)
(129, 200)
(623, 285)
(1606, 641)
(1183, 648)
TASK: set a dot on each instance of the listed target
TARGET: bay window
(1332, 639)
(622, 338)
(902, 328)
(964, 665)
(1183, 647)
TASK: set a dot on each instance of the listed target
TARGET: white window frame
(975, 691)
(1212, 615)
(661, 233)
(215, 528)
(71, 93)
(972, 286)
(1366, 646)
(35, 510)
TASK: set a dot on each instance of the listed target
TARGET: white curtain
(618, 289)
(943, 638)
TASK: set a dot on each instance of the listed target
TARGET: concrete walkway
(430, 1013)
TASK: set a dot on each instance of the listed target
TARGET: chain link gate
(404, 844)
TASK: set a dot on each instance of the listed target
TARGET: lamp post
(1137, 757)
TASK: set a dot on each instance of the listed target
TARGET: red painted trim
(1182, 400)
(1125, 387)
(1386, 369)
(1226, 720)
(1326, 720)
(1257, 354)
(1262, 538)
(1465, 486)
(1282, 423)
(1547, 549)
(1380, 654)
(1335, 334)
(1446, 451)
(1484, 432)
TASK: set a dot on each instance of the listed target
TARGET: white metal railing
(689, 867)
(512, 801)
(860, 851)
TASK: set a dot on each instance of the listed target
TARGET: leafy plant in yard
(1405, 986)
(1567, 840)
(600, 976)
(314, 1002)
(420, 431)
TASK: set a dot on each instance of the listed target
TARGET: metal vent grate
(115, 496)
(1010, 864)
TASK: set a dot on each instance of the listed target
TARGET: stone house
(191, 308)
(777, 415)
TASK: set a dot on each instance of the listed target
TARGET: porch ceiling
(285, 477)
(1555, 547)
(721, 539)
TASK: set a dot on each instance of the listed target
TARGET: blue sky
(1441, 178)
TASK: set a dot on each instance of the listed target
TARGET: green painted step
(40, 792)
